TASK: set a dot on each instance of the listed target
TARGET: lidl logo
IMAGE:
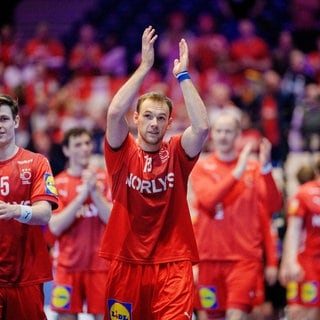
(309, 292)
(61, 296)
(119, 310)
(50, 185)
(208, 297)
(292, 291)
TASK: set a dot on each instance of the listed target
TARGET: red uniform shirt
(150, 220)
(306, 204)
(228, 225)
(78, 246)
(24, 258)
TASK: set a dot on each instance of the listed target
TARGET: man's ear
(135, 117)
(170, 122)
(17, 121)
(65, 151)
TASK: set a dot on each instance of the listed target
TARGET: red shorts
(224, 285)
(306, 292)
(259, 297)
(72, 289)
(153, 292)
(23, 303)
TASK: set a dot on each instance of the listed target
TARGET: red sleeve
(203, 184)
(269, 239)
(270, 191)
(44, 187)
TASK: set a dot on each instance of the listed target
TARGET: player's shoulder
(31, 156)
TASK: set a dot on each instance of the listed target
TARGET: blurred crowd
(274, 87)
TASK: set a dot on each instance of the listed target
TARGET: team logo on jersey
(208, 298)
(292, 291)
(61, 297)
(50, 185)
(119, 310)
(25, 176)
(164, 155)
(309, 292)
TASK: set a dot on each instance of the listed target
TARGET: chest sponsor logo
(151, 186)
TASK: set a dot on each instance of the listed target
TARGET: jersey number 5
(4, 185)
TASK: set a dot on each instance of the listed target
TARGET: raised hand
(147, 50)
(182, 63)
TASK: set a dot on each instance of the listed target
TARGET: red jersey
(228, 225)
(269, 238)
(306, 204)
(150, 220)
(24, 258)
(78, 246)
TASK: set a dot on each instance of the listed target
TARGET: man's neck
(7, 152)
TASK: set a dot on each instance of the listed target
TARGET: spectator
(304, 17)
(281, 52)
(248, 51)
(9, 45)
(296, 77)
(313, 60)
(45, 50)
(272, 116)
(86, 53)
(114, 57)
(176, 29)
(305, 130)
(210, 49)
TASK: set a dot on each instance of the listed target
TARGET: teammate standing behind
(27, 196)
(78, 223)
(228, 190)
(300, 264)
(149, 237)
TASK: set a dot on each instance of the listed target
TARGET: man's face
(224, 134)
(152, 122)
(79, 150)
(7, 126)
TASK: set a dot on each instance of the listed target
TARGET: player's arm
(89, 177)
(117, 126)
(65, 218)
(39, 213)
(290, 269)
(195, 135)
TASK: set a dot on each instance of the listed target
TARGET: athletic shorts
(306, 292)
(72, 291)
(153, 292)
(224, 285)
(259, 296)
(23, 303)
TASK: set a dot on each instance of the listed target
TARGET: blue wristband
(183, 76)
(266, 168)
